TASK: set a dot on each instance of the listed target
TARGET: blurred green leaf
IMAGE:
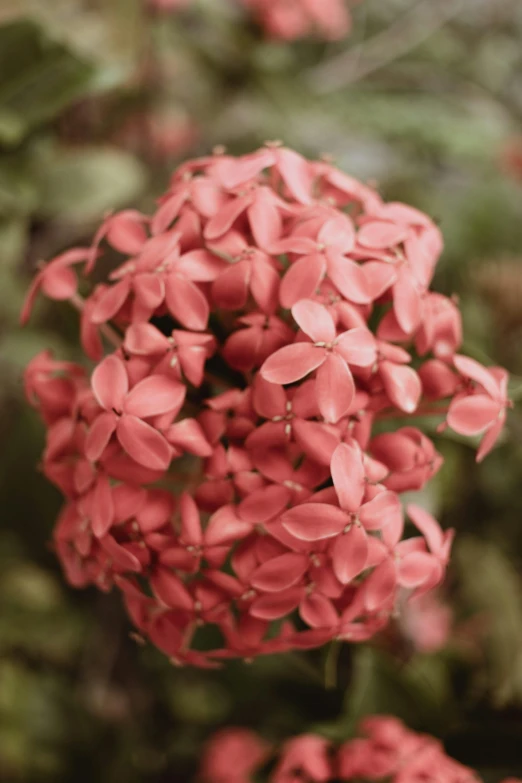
(490, 585)
(38, 78)
(79, 185)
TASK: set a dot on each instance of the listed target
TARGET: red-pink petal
(357, 346)
(110, 383)
(428, 526)
(335, 388)
(292, 363)
(170, 589)
(477, 372)
(384, 509)
(380, 586)
(415, 568)
(349, 278)
(279, 573)
(472, 415)
(347, 470)
(302, 279)
(102, 514)
(143, 443)
(155, 395)
(350, 554)
(188, 435)
(186, 302)
(407, 303)
(145, 340)
(264, 504)
(379, 235)
(315, 320)
(275, 605)
(111, 300)
(318, 611)
(269, 399)
(265, 219)
(314, 521)
(295, 172)
(99, 435)
(191, 532)
(317, 440)
(230, 289)
(402, 385)
(225, 527)
(59, 283)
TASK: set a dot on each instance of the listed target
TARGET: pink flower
(292, 19)
(265, 324)
(328, 353)
(481, 409)
(125, 411)
(232, 756)
(384, 749)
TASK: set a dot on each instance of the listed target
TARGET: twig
(405, 34)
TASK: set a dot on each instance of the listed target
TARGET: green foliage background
(425, 99)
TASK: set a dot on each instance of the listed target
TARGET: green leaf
(82, 184)
(496, 598)
(416, 691)
(39, 77)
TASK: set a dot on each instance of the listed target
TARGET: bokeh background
(99, 100)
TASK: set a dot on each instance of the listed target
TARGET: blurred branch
(415, 26)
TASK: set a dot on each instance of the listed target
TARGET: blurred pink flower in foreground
(384, 751)
(427, 622)
(291, 19)
(235, 453)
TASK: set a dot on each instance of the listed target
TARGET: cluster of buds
(234, 462)
(385, 751)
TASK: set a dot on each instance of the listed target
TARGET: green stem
(331, 665)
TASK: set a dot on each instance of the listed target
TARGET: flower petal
(349, 278)
(145, 340)
(350, 554)
(315, 320)
(292, 363)
(318, 611)
(225, 527)
(99, 435)
(348, 476)
(314, 521)
(143, 443)
(402, 385)
(279, 573)
(380, 586)
(415, 568)
(302, 279)
(110, 383)
(275, 605)
(335, 388)
(357, 346)
(155, 395)
(381, 511)
(472, 415)
(186, 302)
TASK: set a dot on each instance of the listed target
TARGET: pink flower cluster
(229, 463)
(292, 19)
(385, 751)
(286, 19)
